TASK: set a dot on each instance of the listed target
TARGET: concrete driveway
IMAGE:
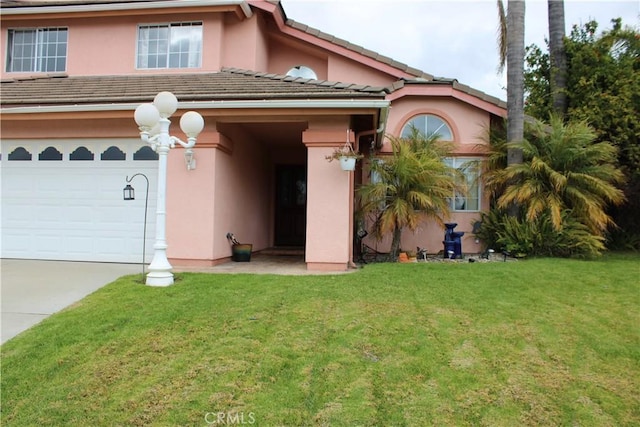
(32, 290)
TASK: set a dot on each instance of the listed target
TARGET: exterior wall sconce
(153, 122)
(189, 159)
(128, 193)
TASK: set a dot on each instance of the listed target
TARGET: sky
(452, 39)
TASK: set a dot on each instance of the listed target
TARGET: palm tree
(511, 47)
(413, 184)
(558, 56)
(563, 169)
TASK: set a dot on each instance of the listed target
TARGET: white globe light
(146, 115)
(166, 103)
(191, 123)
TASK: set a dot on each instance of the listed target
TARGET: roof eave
(110, 7)
(209, 105)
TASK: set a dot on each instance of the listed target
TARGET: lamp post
(153, 121)
(128, 193)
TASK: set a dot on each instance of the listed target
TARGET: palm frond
(502, 36)
(413, 183)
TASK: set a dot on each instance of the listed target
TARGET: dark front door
(291, 205)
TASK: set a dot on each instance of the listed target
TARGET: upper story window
(37, 50)
(428, 125)
(176, 45)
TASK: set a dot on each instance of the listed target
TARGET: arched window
(428, 125)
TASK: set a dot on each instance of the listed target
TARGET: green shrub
(500, 231)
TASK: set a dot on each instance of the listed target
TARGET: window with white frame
(177, 45)
(470, 169)
(428, 125)
(37, 50)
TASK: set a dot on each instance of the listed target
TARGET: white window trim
(169, 25)
(37, 58)
(458, 163)
(445, 123)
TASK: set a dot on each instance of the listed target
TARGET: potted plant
(240, 252)
(346, 156)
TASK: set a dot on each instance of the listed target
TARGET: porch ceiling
(280, 134)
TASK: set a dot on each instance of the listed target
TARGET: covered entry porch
(267, 181)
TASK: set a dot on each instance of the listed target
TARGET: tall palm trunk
(558, 56)
(395, 243)
(515, 77)
(515, 83)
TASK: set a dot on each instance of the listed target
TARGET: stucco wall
(107, 46)
(190, 206)
(330, 201)
(243, 194)
(430, 236)
(228, 192)
(468, 123)
(346, 70)
(285, 55)
(243, 44)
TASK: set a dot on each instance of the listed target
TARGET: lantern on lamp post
(128, 193)
(153, 122)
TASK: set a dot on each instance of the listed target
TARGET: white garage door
(63, 200)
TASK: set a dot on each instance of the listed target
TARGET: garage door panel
(79, 215)
(77, 246)
(49, 244)
(50, 214)
(74, 210)
(111, 245)
(22, 215)
(19, 240)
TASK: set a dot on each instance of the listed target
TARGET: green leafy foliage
(539, 237)
(414, 183)
(603, 89)
(563, 188)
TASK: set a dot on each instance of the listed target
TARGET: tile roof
(228, 84)
(358, 49)
(449, 82)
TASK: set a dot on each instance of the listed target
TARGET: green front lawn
(536, 342)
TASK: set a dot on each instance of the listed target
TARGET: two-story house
(277, 97)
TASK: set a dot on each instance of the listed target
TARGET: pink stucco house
(276, 97)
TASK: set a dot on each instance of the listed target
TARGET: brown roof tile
(228, 84)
